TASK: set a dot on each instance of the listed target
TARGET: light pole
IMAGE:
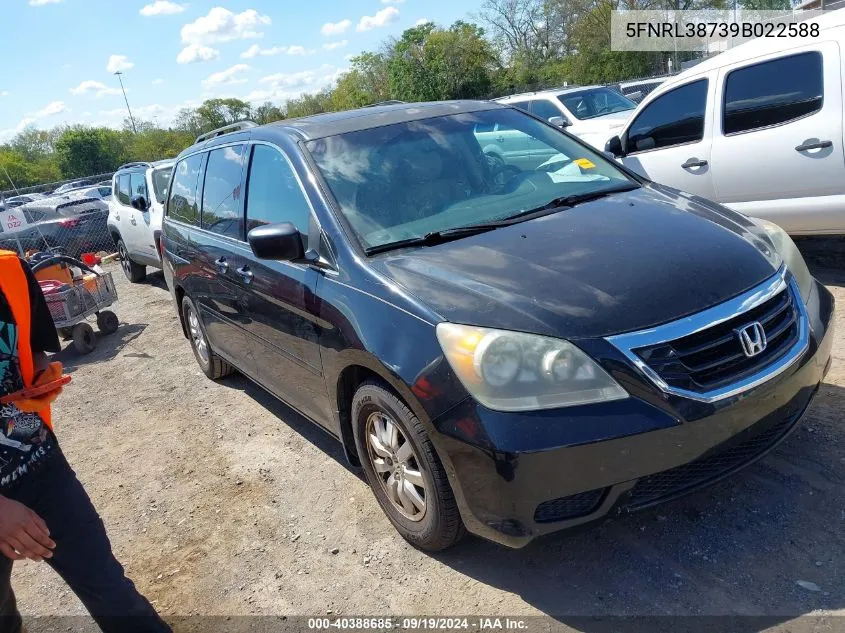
(131, 118)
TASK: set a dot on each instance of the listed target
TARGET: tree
(212, 114)
(267, 113)
(87, 151)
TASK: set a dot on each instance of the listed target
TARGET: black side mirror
(614, 146)
(140, 202)
(276, 241)
(560, 121)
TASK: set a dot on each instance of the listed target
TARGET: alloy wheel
(396, 465)
(197, 335)
(124, 260)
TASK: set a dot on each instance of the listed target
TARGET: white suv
(592, 113)
(135, 213)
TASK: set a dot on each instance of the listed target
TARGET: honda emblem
(752, 337)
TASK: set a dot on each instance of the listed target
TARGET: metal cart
(72, 306)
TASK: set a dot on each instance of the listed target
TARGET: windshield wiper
(435, 237)
(574, 200)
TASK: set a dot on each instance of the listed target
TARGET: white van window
(772, 92)
(673, 118)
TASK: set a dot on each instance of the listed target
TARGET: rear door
(282, 304)
(778, 153)
(670, 139)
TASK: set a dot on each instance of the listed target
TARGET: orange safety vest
(14, 286)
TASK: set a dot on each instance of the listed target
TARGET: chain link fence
(67, 226)
(48, 188)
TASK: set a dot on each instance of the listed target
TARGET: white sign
(12, 221)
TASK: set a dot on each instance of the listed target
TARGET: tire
(211, 364)
(135, 273)
(107, 322)
(435, 527)
(84, 339)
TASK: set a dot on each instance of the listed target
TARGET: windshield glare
(161, 181)
(407, 180)
(595, 102)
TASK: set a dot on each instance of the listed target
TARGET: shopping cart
(72, 304)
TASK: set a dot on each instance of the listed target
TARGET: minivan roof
(759, 47)
(333, 123)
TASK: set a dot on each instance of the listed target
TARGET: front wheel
(135, 273)
(403, 469)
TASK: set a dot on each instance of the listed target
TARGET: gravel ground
(222, 501)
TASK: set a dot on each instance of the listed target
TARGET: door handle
(222, 265)
(246, 274)
(693, 163)
(133, 222)
(819, 145)
(501, 139)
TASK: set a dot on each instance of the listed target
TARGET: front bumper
(517, 476)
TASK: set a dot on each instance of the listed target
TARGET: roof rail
(384, 103)
(139, 163)
(226, 129)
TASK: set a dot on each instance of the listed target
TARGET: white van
(757, 128)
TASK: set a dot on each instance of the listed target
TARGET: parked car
(135, 214)
(592, 113)
(71, 226)
(76, 184)
(512, 353)
(101, 192)
(17, 201)
(757, 128)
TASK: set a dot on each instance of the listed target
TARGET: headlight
(513, 371)
(789, 253)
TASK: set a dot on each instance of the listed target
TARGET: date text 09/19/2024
(418, 623)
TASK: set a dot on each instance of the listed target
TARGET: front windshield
(161, 181)
(407, 180)
(595, 102)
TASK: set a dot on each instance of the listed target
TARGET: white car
(136, 210)
(758, 128)
(101, 192)
(592, 113)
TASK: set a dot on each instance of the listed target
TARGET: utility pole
(131, 118)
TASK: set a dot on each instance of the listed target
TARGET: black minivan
(505, 350)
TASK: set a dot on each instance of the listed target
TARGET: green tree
(267, 113)
(87, 151)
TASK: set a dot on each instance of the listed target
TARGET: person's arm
(43, 336)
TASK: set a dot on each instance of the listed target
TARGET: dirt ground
(220, 500)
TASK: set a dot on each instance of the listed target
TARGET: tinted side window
(138, 185)
(773, 92)
(672, 119)
(183, 200)
(273, 192)
(222, 212)
(545, 109)
(123, 195)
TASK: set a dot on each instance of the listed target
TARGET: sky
(60, 56)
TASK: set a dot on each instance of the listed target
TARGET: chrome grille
(702, 357)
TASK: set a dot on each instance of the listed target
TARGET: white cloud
(226, 77)
(99, 89)
(162, 7)
(330, 46)
(290, 80)
(335, 28)
(348, 57)
(221, 25)
(158, 82)
(4, 93)
(386, 16)
(52, 108)
(119, 63)
(255, 50)
(196, 53)
(422, 21)
(41, 3)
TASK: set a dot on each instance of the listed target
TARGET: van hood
(627, 262)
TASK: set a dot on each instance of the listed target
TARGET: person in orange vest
(45, 513)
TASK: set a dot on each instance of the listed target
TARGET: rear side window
(183, 204)
(123, 195)
(674, 118)
(222, 210)
(273, 192)
(773, 92)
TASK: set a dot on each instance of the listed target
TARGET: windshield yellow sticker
(583, 163)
